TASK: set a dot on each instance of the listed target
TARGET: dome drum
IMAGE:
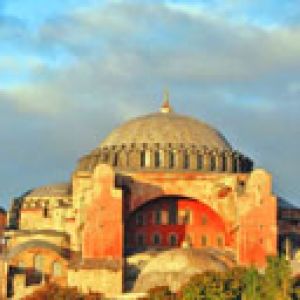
(177, 157)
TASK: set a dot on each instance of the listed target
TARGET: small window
(115, 159)
(156, 159)
(143, 159)
(140, 219)
(224, 163)
(46, 212)
(204, 220)
(172, 213)
(203, 240)
(220, 241)
(185, 217)
(186, 160)
(140, 240)
(171, 159)
(173, 241)
(213, 164)
(199, 161)
(57, 269)
(156, 239)
(157, 217)
(235, 162)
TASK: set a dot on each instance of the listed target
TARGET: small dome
(166, 127)
(51, 190)
(175, 267)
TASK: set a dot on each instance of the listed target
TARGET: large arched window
(57, 269)
(38, 262)
(235, 163)
(173, 240)
(115, 159)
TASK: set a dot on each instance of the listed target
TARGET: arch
(178, 216)
(64, 253)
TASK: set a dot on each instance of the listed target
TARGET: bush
(52, 291)
(160, 293)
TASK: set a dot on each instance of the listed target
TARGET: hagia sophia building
(162, 197)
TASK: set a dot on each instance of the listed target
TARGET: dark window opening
(157, 217)
(173, 239)
(156, 159)
(213, 164)
(143, 159)
(203, 240)
(171, 159)
(140, 240)
(186, 161)
(156, 239)
(199, 162)
(140, 219)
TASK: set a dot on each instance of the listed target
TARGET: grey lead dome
(164, 128)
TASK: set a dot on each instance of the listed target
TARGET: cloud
(112, 62)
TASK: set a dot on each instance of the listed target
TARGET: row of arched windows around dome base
(172, 157)
(173, 240)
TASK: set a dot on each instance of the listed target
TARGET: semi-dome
(175, 267)
(166, 127)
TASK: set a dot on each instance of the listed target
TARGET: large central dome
(166, 127)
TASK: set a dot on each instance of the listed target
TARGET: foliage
(52, 291)
(277, 283)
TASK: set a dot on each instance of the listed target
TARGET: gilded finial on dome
(166, 107)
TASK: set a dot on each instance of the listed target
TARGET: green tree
(277, 283)
(251, 284)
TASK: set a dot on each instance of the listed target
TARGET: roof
(164, 128)
(51, 190)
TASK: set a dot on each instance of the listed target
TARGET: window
(139, 219)
(143, 159)
(203, 240)
(156, 159)
(235, 164)
(156, 239)
(204, 220)
(38, 262)
(185, 217)
(213, 164)
(173, 239)
(157, 217)
(224, 163)
(115, 159)
(140, 240)
(186, 160)
(172, 213)
(171, 159)
(199, 161)
(46, 212)
(220, 241)
(57, 269)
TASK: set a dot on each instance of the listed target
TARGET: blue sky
(70, 71)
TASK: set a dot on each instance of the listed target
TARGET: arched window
(204, 220)
(199, 161)
(115, 159)
(156, 159)
(203, 240)
(38, 262)
(57, 269)
(235, 162)
(143, 159)
(156, 239)
(173, 241)
(220, 241)
(157, 217)
(213, 164)
(171, 159)
(186, 160)
(224, 163)
(140, 240)
(140, 221)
